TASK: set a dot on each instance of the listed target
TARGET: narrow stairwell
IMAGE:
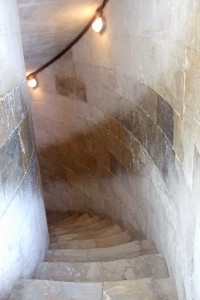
(92, 258)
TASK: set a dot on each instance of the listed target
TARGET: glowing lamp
(99, 24)
(32, 82)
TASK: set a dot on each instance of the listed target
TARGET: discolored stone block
(81, 155)
(89, 161)
(29, 185)
(114, 146)
(31, 128)
(102, 171)
(165, 118)
(100, 135)
(178, 143)
(24, 98)
(15, 113)
(72, 176)
(4, 125)
(11, 163)
(154, 145)
(114, 127)
(167, 159)
(140, 126)
(126, 159)
(126, 136)
(147, 100)
(126, 118)
(71, 87)
(89, 144)
(60, 171)
(77, 167)
(127, 122)
(115, 166)
(32, 173)
(26, 141)
(139, 157)
(102, 155)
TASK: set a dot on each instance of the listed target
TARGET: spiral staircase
(92, 258)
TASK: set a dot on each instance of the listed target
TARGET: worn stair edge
(147, 266)
(78, 225)
(113, 229)
(145, 289)
(132, 249)
(75, 225)
(98, 224)
(102, 242)
(141, 289)
(65, 224)
(54, 218)
(27, 289)
(67, 220)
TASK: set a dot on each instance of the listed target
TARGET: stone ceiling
(49, 25)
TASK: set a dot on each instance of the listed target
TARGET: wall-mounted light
(32, 82)
(99, 24)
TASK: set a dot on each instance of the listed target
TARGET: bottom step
(143, 289)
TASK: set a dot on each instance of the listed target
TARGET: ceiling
(49, 25)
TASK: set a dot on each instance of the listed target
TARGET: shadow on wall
(99, 153)
(115, 150)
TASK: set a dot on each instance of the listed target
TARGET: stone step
(113, 229)
(80, 220)
(87, 227)
(128, 250)
(55, 290)
(101, 242)
(147, 266)
(56, 216)
(65, 220)
(142, 289)
(81, 224)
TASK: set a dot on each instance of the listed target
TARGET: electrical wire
(98, 12)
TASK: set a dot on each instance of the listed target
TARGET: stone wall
(23, 228)
(117, 128)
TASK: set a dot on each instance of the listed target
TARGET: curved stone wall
(23, 227)
(117, 128)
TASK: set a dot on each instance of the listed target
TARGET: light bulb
(99, 24)
(32, 82)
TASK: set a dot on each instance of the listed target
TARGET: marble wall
(117, 128)
(23, 228)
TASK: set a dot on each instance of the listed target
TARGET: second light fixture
(99, 24)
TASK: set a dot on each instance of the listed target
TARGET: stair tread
(92, 258)
(88, 234)
(27, 289)
(108, 241)
(94, 226)
(66, 220)
(131, 249)
(141, 289)
(85, 220)
(54, 217)
(73, 226)
(149, 266)
(146, 289)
